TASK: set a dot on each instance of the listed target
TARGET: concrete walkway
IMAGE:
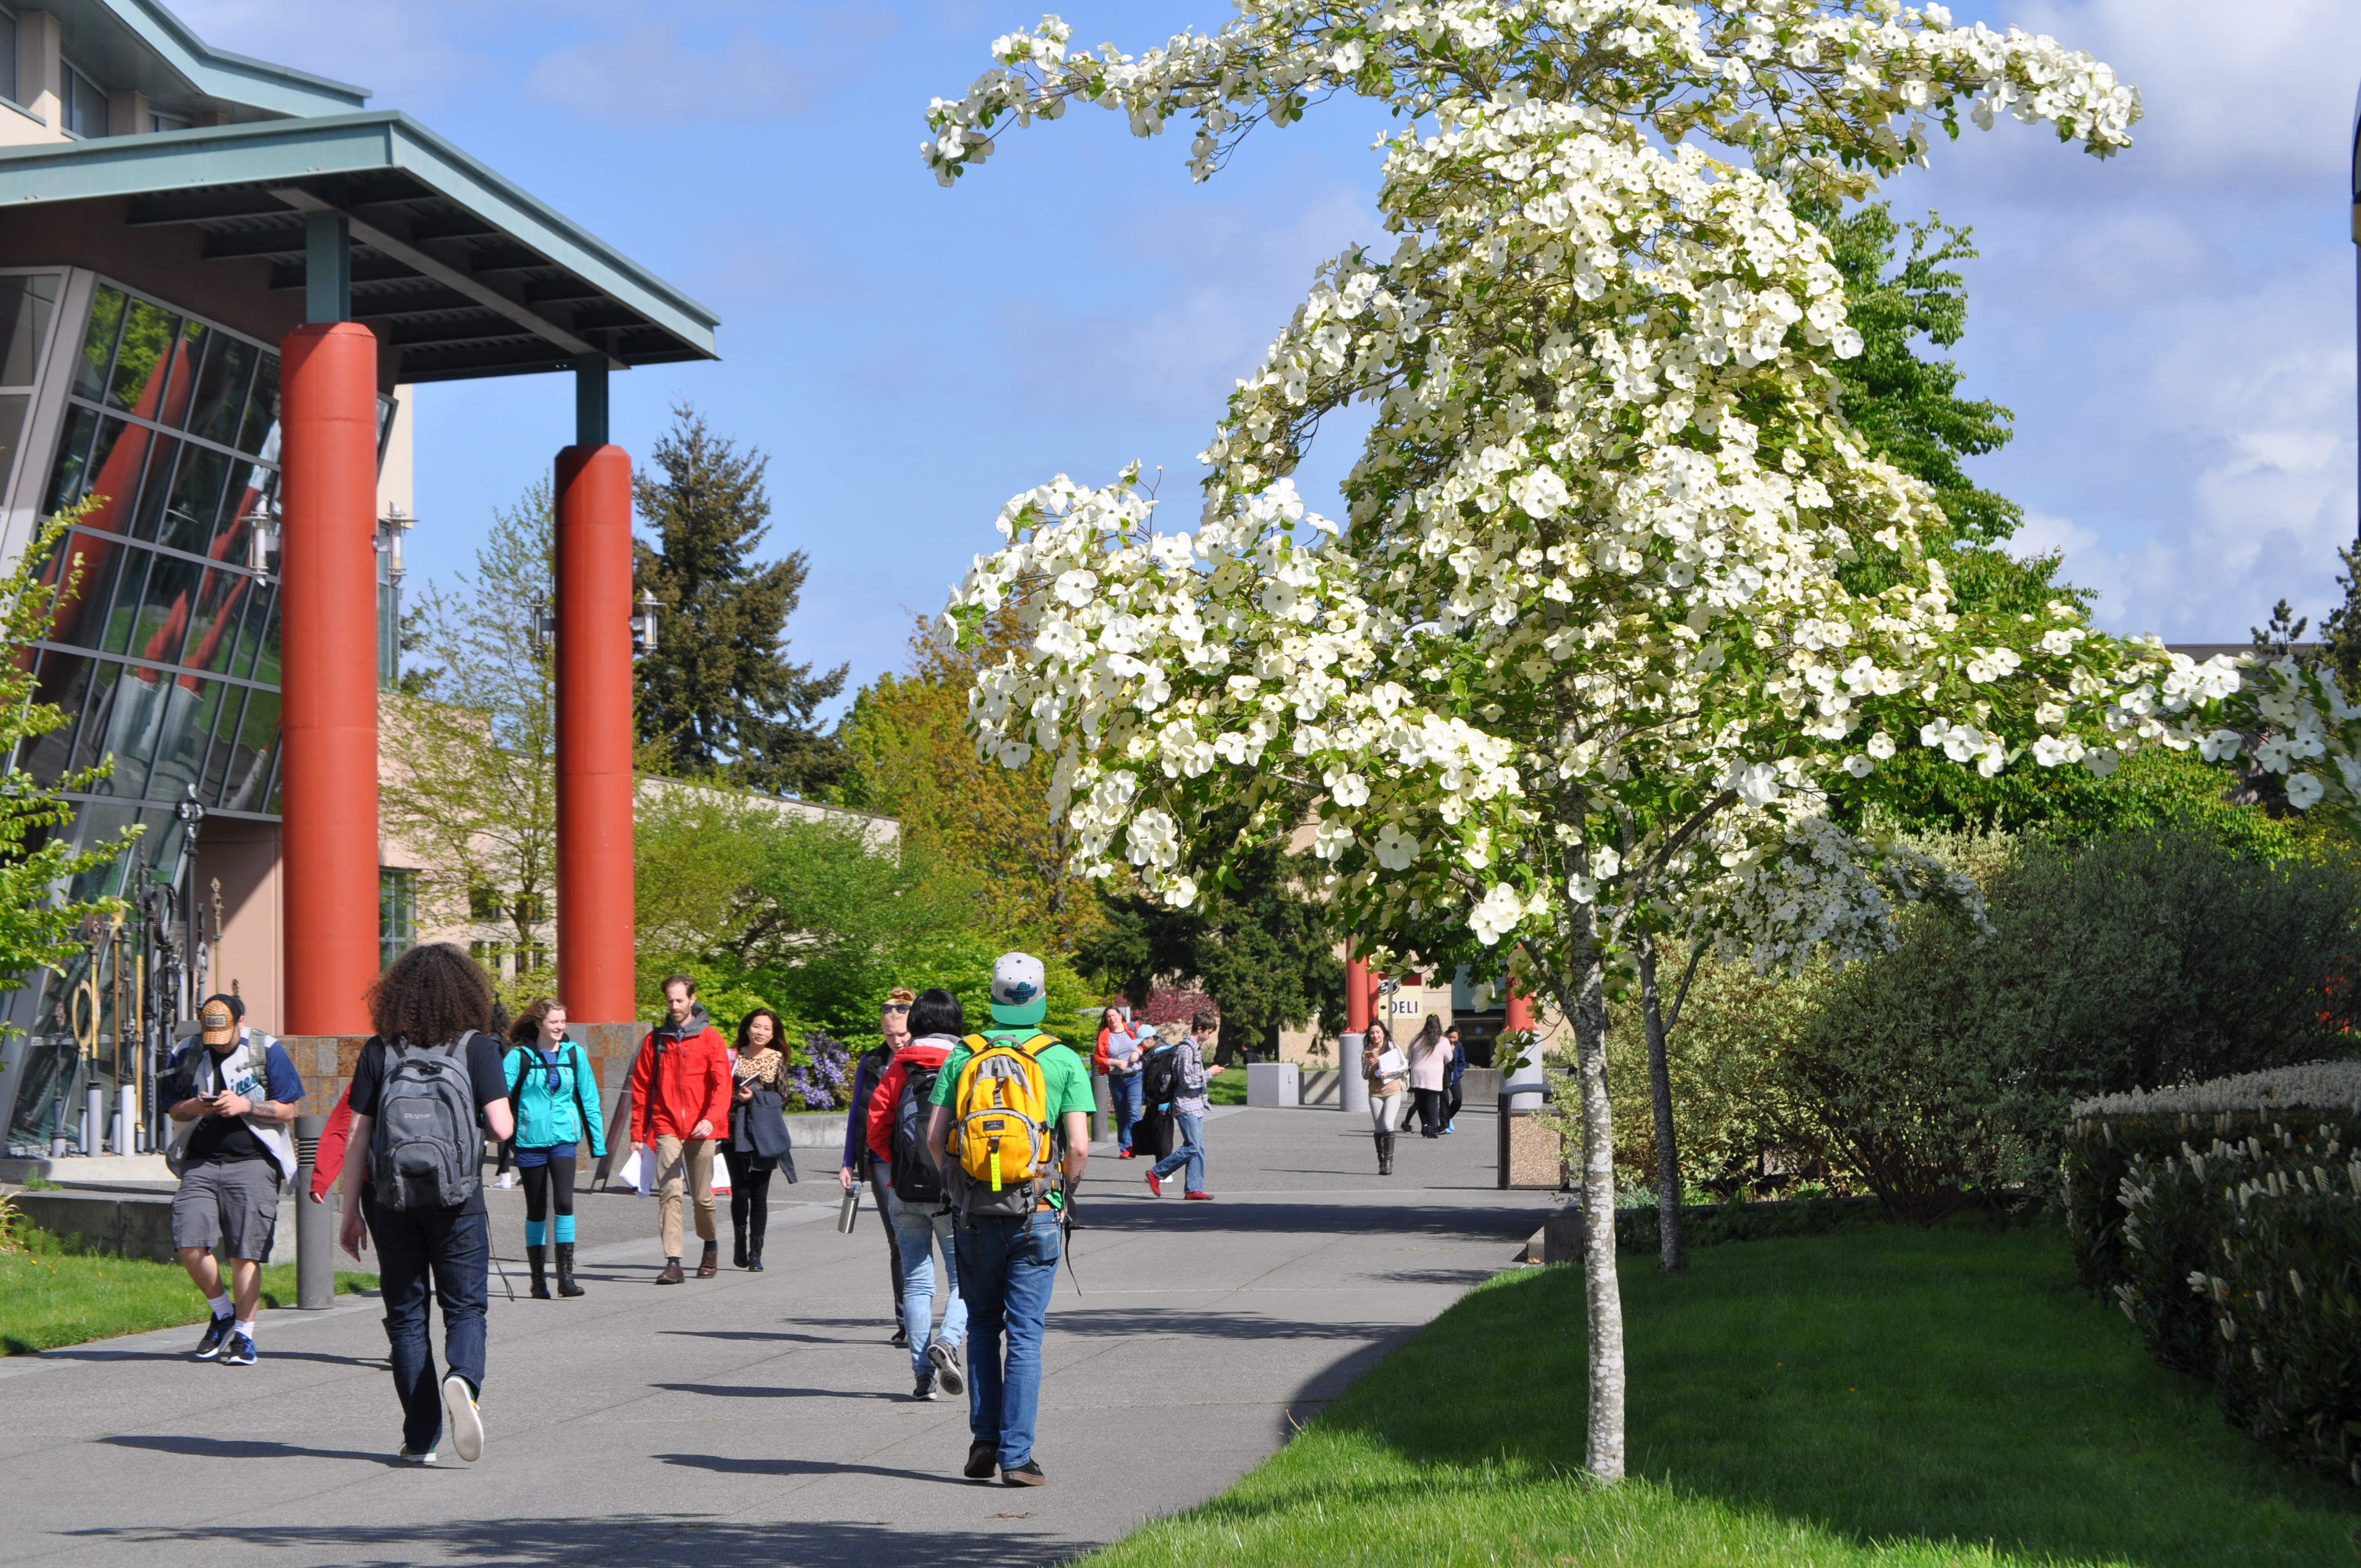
(765, 1418)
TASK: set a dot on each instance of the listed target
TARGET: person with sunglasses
(557, 1098)
(894, 1024)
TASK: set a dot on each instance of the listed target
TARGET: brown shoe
(710, 1265)
(671, 1274)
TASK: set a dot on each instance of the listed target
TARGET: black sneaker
(236, 1350)
(946, 1359)
(983, 1459)
(901, 1337)
(925, 1390)
(215, 1331)
(1026, 1475)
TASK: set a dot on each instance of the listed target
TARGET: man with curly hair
(427, 1087)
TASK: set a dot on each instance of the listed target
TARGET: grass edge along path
(1889, 1396)
(55, 1295)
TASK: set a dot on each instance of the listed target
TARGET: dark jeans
(1006, 1270)
(1429, 1111)
(455, 1245)
(1452, 1101)
(1130, 1103)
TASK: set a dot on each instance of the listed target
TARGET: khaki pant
(676, 1160)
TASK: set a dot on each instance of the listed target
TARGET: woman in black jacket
(756, 1126)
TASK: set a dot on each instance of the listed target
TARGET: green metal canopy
(465, 274)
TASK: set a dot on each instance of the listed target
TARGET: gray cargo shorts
(230, 1209)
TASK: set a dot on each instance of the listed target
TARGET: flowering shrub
(819, 1074)
(2241, 1258)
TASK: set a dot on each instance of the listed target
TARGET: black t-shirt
(484, 1072)
(221, 1140)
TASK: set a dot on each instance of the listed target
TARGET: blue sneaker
(237, 1351)
(215, 1333)
(1451, 1126)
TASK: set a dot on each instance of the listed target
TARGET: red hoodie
(680, 1077)
(933, 1051)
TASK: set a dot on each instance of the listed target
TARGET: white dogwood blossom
(1584, 645)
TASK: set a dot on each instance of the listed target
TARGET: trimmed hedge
(2226, 1220)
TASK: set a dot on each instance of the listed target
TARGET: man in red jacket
(680, 1098)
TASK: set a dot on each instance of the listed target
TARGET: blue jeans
(1006, 1267)
(1191, 1152)
(1130, 1103)
(455, 1246)
(916, 1230)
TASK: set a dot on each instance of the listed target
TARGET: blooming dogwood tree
(1598, 637)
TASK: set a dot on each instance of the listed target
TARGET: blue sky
(2174, 328)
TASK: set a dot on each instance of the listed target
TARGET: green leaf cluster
(38, 929)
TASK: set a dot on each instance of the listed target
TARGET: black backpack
(917, 1178)
(426, 1150)
(1160, 1081)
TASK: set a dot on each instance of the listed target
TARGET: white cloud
(2175, 326)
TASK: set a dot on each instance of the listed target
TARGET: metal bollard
(1352, 1089)
(1102, 1108)
(315, 1225)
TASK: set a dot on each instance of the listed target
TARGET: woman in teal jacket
(557, 1100)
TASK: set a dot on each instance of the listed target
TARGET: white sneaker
(408, 1457)
(467, 1421)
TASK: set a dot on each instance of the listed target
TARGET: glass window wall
(165, 656)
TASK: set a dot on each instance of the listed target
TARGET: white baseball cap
(1020, 989)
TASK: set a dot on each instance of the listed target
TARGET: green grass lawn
(1230, 1089)
(54, 1295)
(1881, 1397)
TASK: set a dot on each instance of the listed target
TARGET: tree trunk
(1672, 1251)
(1587, 1008)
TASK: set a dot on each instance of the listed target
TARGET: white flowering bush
(2314, 1086)
(1581, 648)
(2240, 1258)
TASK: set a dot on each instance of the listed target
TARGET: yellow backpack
(1000, 1132)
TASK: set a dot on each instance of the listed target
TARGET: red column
(327, 631)
(595, 931)
(1520, 1010)
(1357, 997)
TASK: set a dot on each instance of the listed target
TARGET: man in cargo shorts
(234, 1149)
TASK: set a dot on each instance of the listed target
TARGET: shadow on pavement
(749, 1334)
(721, 1466)
(368, 1363)
(235, 1448)
(1083, 1321)
(643, 1541)
(1307, 1214)
(728, 1391)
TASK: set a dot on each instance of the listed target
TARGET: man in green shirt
(1008, 1263)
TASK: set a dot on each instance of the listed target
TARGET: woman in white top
(1429, 1056)
(1387, 1100)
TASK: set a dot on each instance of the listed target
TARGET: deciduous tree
(1584, 654)
(472, 744)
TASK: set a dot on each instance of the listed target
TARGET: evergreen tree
(718, 696)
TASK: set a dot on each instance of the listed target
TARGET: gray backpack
(425, 1148)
